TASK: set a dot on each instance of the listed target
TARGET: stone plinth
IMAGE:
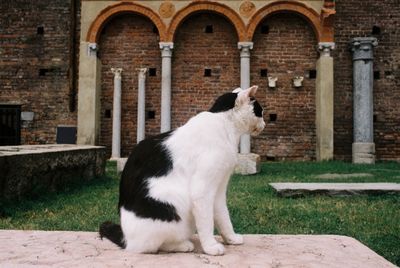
(248, 164)
(120, 164)
(33, 169)
(299, 189)
(85, 249)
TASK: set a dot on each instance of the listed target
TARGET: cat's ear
(245, 95)
(237, 90)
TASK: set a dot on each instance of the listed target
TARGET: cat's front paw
(215, 249)
(235, 239)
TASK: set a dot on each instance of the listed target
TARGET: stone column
(141, 105)
(245, 143)
(324, 102)
(166, 54)
(363, 131)
(116, 123)
(248, 163)
(89, 94)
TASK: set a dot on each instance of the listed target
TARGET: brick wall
(37, 72)
(284, 47)
(194, 51)
(35, 60)
(357, 19)
(129, 42)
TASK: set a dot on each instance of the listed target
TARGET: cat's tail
(112, 232)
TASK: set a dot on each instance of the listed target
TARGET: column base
(121, 161)
(248, 164)
(363, 153)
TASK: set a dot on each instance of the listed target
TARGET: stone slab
(296, 189)
(30, 170)
(342, 176)
(85, 249)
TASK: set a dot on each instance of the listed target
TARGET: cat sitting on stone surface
(175, 184)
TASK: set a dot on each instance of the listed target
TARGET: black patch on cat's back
(224, 103)
(149, 159)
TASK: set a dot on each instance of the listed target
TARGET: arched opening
(205, 64)
(285, 47)
(129, 41)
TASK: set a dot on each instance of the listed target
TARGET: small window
(376, 30)
(152, 71)
(271, 158)
(375, 118)
(264, 29)
(264, 72)
(207, 72)
(273, 117)
(43, 72)
(312, 74)
(151, 114)
(40, 30)
(377, 75)
(209, 29)
(107, 113)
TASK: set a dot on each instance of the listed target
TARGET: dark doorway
(10, 124)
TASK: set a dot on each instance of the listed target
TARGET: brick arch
(124, 7)
(217, 8)
(306, 12)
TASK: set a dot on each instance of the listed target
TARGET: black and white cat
(174, 184)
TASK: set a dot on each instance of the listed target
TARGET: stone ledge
(85, 249)
(30, 170)
(298, 189)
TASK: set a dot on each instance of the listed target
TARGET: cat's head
(244, 109)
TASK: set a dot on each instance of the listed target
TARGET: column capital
(362, 47)
(325, 48)
(245, 49)
(166, 49)
(248, 45)
(92, 49)
(117, 72)
(142, 72)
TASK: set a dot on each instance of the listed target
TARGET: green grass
(254, 206)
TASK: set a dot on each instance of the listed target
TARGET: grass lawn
(254, 207)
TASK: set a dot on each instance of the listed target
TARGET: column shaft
(363, 131)
(116, 124)
(166, 54)
(141, 118)
(324, 103)
(245, 140)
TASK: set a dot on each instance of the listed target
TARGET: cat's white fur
(204, 153)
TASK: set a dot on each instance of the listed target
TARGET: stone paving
(85, 249)
(297, 189)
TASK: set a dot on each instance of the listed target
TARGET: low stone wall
(30, 170)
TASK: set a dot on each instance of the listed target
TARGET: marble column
(166, 54)
(248, 163)
(141, 113)
(324, 102)
(245, 141)
(363, 131)
(116, 123)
